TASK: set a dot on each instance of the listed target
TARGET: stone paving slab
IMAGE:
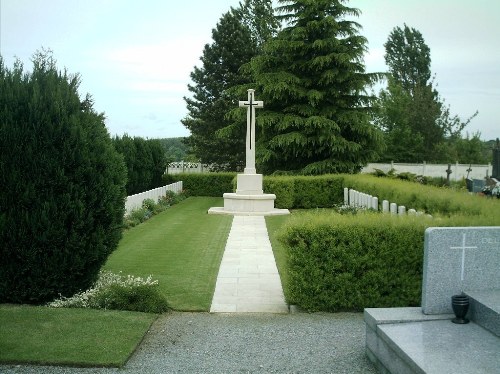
(248, 279)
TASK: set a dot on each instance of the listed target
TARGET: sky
(135, 57)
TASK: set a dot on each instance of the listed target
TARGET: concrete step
(404, 340)
(485, 310)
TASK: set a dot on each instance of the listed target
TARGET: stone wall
(458, 171)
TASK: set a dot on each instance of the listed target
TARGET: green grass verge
(182, 248)
(76, 337)
(274, 224)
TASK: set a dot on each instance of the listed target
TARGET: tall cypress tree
(312, 80)
(233, 45)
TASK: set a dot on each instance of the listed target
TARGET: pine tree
(312, 80)
(233, 45)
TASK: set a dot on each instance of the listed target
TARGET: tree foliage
(62, 183)
(236, 39)
(312, 80)
(175, 149)
(416, 122)
(145, 160)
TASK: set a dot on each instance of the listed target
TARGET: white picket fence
(135, 201)
(363, 200)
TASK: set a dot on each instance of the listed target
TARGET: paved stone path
(248, 279)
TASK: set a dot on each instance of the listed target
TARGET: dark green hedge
(203, 184)
(301, 192)
(350, 262)
(62, 185)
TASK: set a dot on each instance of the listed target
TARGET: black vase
(460, 305)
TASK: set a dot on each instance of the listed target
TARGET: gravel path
(243, 343)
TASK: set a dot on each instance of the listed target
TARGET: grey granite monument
(458, 259)
(424, 339)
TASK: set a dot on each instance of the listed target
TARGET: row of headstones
(363, 200)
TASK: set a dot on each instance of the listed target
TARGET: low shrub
(118, 292)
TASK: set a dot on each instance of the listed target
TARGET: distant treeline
(175, 149)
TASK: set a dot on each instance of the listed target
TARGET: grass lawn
(76, 337)
(274, 223)
(182, 248)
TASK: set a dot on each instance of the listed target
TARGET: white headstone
(394, 208)
(385, 206)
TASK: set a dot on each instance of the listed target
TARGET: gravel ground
(243, 343)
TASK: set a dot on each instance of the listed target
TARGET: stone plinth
(249, 199)
(248, 205)
(250, 184)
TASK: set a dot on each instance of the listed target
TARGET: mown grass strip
(182, 248)
(274, 224)
(73, 337)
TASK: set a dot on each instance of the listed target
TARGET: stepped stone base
(248, 205)
(404, 340)
(249, 199)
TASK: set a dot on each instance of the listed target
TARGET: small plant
(347, 209)
(118, 292)
(149, 204)
(378, 173)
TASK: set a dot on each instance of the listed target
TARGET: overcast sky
(134, 57)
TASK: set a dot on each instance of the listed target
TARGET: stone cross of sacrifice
(251, 104)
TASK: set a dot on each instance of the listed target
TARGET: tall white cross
(251, 104)
(463, 248)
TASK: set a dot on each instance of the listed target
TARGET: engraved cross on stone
(251, 104)
(463, 248)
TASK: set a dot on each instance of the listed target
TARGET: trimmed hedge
(301, 192)
(350, 262)
(204, 184)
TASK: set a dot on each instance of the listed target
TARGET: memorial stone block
(458, 259)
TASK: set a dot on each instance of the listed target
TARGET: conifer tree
(62, 185)
(233, 45)
(312, 80)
